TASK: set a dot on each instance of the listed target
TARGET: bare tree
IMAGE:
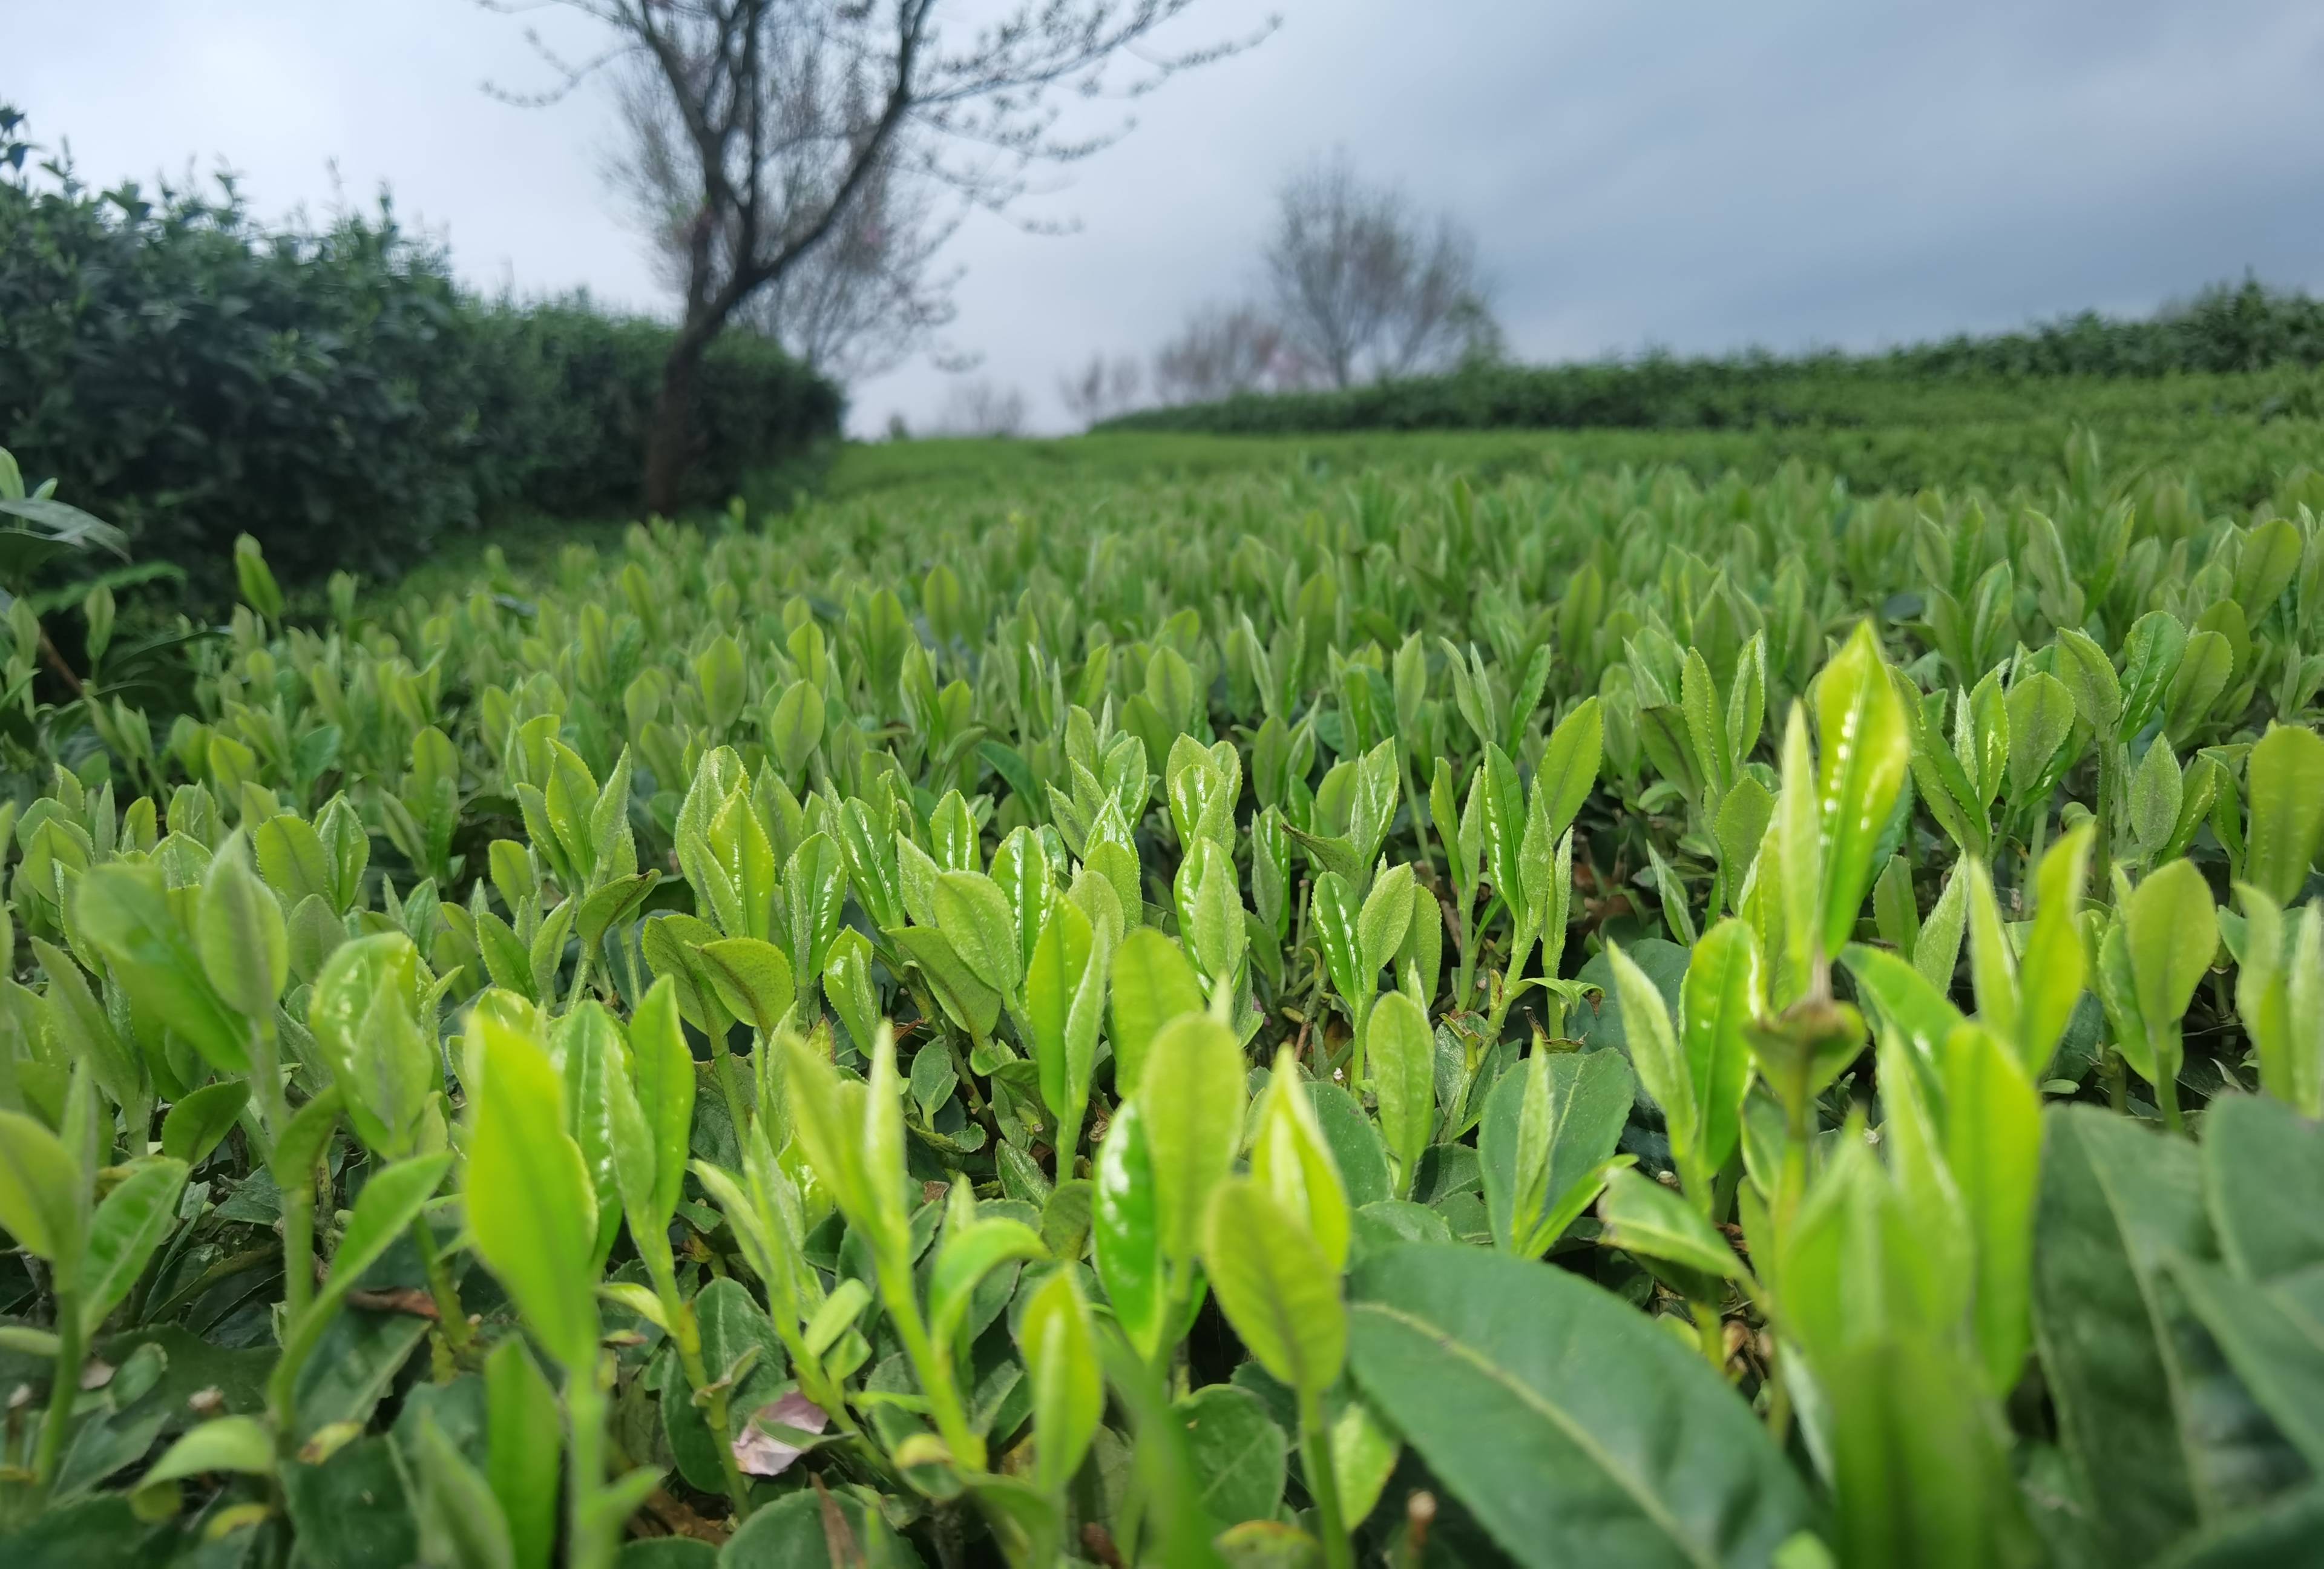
(1223, 350)
(982, 408)
(858, 304)
(790, 109)
(1100, 388)
(1364, 286)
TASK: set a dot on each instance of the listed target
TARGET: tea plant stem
(1712, 1329)
(716, 1412)
(2166, 1096)
(298, 1247)
(1323, 1483)
(1069, 1138)
(226, 1269)
(137, 1122)
(58, 1420)
(1791, 1175)
(1464, 982)
(266, 1080)
(728, 1089)
(1418, 807)
(2102, 829)
(1779, 1404)
(590, 1543)
(580, 981)
(1510, 975)
(933, 1366)
(449, 1317)
(963, 1069)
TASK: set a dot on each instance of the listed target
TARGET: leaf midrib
(1581, 1438)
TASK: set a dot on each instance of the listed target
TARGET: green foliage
(1687, 1023)
(355, 403)
(2227, 332)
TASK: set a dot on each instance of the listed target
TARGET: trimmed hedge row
(2250, 351)
(194, 374)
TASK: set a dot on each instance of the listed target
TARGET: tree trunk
(670, 439)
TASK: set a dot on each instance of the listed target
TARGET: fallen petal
(761, 1453)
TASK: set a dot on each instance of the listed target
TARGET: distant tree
(983, 408)
(1222, 350)
(790, 109)
(1364, 286)
(1100, 388)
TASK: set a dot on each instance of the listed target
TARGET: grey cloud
(1692, 174)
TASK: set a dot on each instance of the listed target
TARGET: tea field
(1740, 998)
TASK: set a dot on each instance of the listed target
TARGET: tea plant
(1600, 1020)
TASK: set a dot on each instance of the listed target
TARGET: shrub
(329, 389)
(1767, 1027)
(2248, 349)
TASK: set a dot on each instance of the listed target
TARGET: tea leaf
(2285, 784)
(1190, 1108)
(530, 1207)
(1068, 1394)
(1519, 1384)
(1153, 985)
(1402, 1049)
(1277, 1288)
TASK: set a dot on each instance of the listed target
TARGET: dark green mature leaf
(201, 1120)
(1237, 1452)
(730, 1324)
(2283, 1533)
(796, 1532)
(460, 1521)
(2114, 1198)
(123, 1234)
(352, 1510)
(1574, 1430)
(2263, 1175)
(1182, 1522)
(2273, 1340)
(1538, 1167)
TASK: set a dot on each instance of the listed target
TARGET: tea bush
(329, 389)
(1591, 1018)
(2248, 351)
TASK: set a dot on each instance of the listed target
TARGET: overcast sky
(1694, 175)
